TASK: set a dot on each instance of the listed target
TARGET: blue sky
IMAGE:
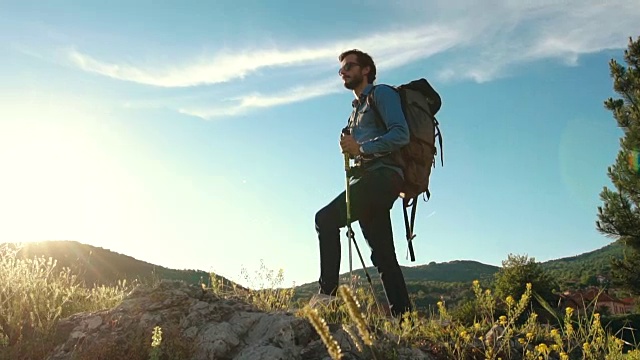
(205, 134)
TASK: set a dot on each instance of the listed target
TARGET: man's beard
(352, 82)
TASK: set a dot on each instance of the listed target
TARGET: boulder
(195, 324)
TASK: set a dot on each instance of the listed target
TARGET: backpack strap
(371, 101)
(439, 137)
(409, 226)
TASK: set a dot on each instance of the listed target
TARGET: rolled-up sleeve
(387, 101)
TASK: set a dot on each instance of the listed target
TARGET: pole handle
(347, 164)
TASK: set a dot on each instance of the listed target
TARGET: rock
(196, 324)
(492, 336)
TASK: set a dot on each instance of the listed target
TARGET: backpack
(420, 103)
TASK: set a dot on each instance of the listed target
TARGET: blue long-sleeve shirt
(375, 139)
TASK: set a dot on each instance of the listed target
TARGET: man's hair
(364, 60)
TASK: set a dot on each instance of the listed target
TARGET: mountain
(452, 271)
(428, 284)
(584, 269)
(96, 265)
(452, 280)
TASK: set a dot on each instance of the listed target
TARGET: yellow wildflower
(542, 348)
(569, 311)
(509, 300)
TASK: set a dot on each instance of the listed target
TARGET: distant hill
(452, 280)
(582, 270)
(453, 271)
(96, 265)
(427, 283)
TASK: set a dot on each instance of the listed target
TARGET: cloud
(408, 46)
(401, 47)
(521, 33)
(479, 42)
(243, 104)
(221, 68)
(394, 49)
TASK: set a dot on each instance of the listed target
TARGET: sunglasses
(347, 66)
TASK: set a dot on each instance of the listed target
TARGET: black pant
(372, 198)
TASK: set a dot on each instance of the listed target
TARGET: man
(376, 184)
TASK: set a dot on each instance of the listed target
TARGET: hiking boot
(322, 300)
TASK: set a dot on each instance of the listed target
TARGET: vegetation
(35, 293)
(427, 284)
(487, 327)
(519, 270)
(583, 270)
(95, 265)
(619, 216)
(489, 336)
(449, 282)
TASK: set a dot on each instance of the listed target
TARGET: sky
(204, 135)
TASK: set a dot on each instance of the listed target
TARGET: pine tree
(619, 217)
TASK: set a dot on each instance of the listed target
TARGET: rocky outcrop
(196, 324)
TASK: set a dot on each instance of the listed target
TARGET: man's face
(351, 72)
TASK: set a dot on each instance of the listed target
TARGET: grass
(516, 334)
(35, 294)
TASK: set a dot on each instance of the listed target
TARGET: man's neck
(359, 89)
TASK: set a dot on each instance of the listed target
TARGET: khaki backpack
(420, 103)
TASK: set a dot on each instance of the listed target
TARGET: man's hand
(349, 145)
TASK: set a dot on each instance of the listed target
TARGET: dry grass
(265, 291)
(489, 337)
(35, 294)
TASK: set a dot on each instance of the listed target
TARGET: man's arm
(387, 101)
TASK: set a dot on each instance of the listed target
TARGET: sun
(58, 179)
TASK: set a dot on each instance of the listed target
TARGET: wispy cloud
(243, 104)
(221, 68)
(397, 47)
(481, 42)
(520, 33)
(393, 49)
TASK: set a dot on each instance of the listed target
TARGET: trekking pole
(350, 234)
(347, 169)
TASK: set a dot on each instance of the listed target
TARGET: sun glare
(56, 181)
